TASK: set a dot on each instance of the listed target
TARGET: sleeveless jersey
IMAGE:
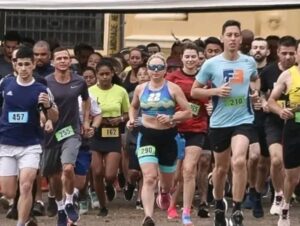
(294, 91)
(159, 101)
(199, 121)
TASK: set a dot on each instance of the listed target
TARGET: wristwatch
(171, 119)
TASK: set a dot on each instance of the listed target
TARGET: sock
(69, 199)
(286, 205)
(186, 211)
(60, 205)
(220, 204)
(76, 191)
(20, 224)
(252, 190)
(51, 196)
(236, 206)
(280, 193)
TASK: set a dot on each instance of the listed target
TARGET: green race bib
(195, 108)
(297, 117)
(148, 150)
(64, 133)
(235, 101)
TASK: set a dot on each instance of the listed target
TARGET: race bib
(297, 117)
(235, 101)
(281, 103)
(64, 133)
(195, 108)
(110, 132)
(17, 117)
(148, 150)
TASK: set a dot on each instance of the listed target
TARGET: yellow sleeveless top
(294, 91)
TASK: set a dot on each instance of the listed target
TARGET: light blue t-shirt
(235, 109)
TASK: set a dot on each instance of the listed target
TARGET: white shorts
(15, 158)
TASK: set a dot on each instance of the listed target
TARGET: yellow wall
(139, 30)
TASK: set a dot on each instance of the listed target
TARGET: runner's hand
(209, 108)
(286, 113)
(257, 104)
(44, 99)
(224, 90)
(130, 124)
(48, 126)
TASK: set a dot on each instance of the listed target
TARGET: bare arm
(280, 87)
(86, 107)
(134, 107)
(200, 91)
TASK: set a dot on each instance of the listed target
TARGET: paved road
(122, 213)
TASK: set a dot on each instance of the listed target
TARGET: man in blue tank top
(231, 75)
(20, 132)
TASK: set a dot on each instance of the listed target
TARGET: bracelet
(122, 119)
(171, 119)
(50, 106)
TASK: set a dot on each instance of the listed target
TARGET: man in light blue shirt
(233, 77)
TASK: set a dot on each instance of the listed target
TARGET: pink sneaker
(163, 200)
(172, 213)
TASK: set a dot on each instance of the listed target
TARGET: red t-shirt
(199, 121)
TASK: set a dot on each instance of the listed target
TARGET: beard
(259, 58)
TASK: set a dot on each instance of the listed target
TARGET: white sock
(278, 193)
(285, 205)
(69, 199)
(51, 196)
(60, 205)
(76, 191)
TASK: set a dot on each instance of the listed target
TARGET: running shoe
(148, 221)
(163, 200)
(203, 210)
(38, 208)
(83, 207)
(62, 219)
(276, 206)
(172, 213)
(12, 213)
(103, 212)
(284, 218)
(128, 192)
(139, 205)
(257, 209)
(220, 215)
(110, 192)
(236, 218)
(94, 199)
(71, 212)
(186, 220)
(52, 207)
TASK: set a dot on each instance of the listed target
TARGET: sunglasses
(157, 67)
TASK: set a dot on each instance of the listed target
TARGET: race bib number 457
(17, 117)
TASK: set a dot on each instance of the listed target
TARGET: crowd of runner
(218, 117)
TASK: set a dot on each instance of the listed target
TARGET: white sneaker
(276, 206)
(284, 219)
(94, 200)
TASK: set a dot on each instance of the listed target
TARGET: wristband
(50, 106)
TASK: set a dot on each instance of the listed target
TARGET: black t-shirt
(268, 79)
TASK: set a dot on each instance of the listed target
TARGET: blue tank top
(157, 102)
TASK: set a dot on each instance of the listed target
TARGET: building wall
(145, 28)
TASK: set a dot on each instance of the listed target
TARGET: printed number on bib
(110, 132)
(17, 117)
(195, 108)
(148, 150)
(235, 101)
(64, 133)
(154, 97)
